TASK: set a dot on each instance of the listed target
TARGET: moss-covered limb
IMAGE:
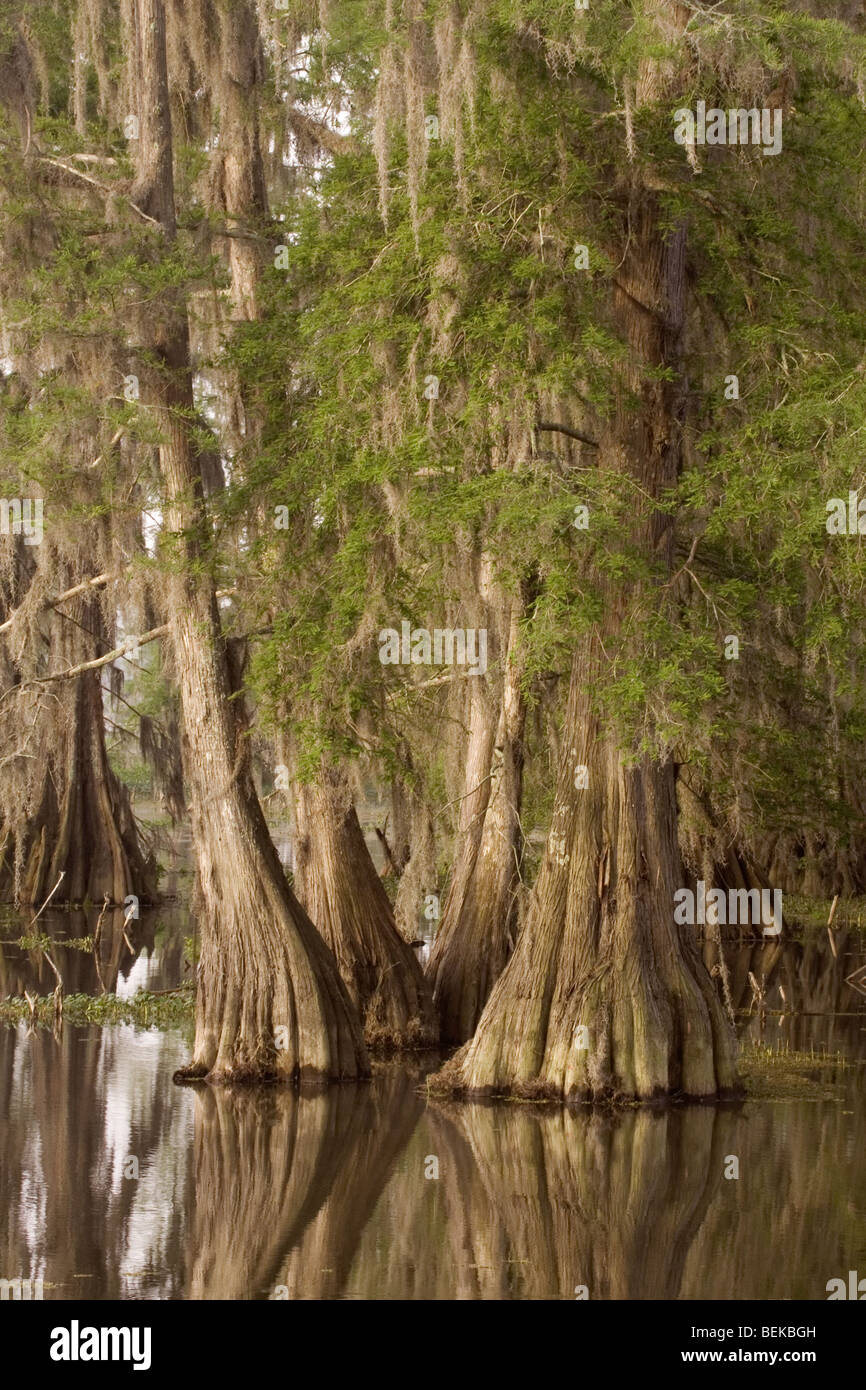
(149, 1010)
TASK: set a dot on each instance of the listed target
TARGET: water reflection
(76, 1111)
(372, 1192)
(133, 955)
(286, 1183)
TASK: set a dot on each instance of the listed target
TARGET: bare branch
(566, 429)
(129, 645)
(103, 188)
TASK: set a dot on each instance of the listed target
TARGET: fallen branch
(830, 936)
(50, 896)
(58, 990)
(96, 935)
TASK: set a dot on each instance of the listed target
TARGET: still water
(116, 1184)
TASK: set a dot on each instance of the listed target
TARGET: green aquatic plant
(161, 1010)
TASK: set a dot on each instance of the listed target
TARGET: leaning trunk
(338, 885)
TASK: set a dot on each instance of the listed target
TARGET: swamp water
(117, 1184)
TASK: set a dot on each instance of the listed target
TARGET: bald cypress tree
(546, 315)
(286, 1015)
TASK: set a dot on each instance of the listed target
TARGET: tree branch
(103, 187)
(94, 583)
(129, 645)
(566, 429)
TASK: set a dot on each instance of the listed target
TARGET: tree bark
(337, 882)
(479, 922)
(64, 810)
(604, 998)
(270, 1004)
(715, 856)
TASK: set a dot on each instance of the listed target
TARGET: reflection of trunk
(60, 1165)
(337, 883)
(285, 1184)
(760, 959)
(570, 1200)
(84, 972)
(479, 921)
(321, 1263)
(603, 996)
(270, 1002)
(74, 1113)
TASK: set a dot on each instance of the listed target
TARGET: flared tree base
(605, 998)
(337, 883)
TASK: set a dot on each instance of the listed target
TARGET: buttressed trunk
(64, 811)
(83, 827)
(338, 885)
(479, 921)
(270, 1003)
(604, 997)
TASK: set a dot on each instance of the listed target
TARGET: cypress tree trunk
(242, 181)
(714, 856)
(64, 812)
(604, 997)
(419, 876)
(337, 882)
(270, 1003)
(479, 923)
(84, 828)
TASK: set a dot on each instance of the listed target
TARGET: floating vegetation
(813, 914)
(45, 943)
(784, 1074)
(166, 1009)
